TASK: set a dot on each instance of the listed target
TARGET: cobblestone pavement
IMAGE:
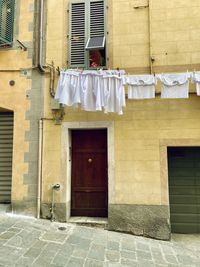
(27, 241)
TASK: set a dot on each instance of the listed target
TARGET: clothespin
(58, 70)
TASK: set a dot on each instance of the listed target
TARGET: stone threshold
(89, 221)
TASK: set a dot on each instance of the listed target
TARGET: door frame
(66, 157)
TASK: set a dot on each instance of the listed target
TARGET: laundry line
(104, 90)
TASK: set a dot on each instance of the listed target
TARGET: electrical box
(55, 105)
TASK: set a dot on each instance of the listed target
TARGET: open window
(6, 22)
(87, 34)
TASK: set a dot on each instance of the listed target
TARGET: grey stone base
(59, 211)
(22, 207)
(144, 220)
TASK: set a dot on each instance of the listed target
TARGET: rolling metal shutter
(6, 146)
(184, 189)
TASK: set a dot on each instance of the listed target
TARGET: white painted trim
(66, 161)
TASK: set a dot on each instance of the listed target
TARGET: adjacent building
(21, 104)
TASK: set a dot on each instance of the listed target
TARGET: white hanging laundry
(114, 94)
(141, 86)
(98, 85)
(59, 87)
(174, 85)
(196, 80)
(88, 97)
(70, 93)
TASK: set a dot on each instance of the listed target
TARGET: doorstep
(89, 221)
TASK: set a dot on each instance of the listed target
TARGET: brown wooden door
(89, 173)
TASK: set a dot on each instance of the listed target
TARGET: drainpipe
(39, 167)
(151, 59)
(41, 36)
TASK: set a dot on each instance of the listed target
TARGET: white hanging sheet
(70, 94)
(93, 90)
(196, 80)
(114, 93)
(141, 86)
(174, 85)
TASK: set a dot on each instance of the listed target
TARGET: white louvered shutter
(77, 34)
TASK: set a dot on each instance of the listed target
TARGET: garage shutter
(184, 189)
(6, 145)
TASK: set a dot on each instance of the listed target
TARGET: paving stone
(167, 250)
(184, 259)
(128, 245)
(112, 245)
(77, 240)
(22, 240)
(112, 256)
(61, 259)
(7, 235)
(142, 246)
(145, 263)
(33, 253)
(158, 258)
(128, 254)
(96, 252)
(80, 253)
(39, 243)
(171, 259)
(128, 262)
(41, 262)
(67, 249)
(143, 255)
(84, 232)
(24, 261)
(93, 263)
(75, 262)
(3, 229)
(54, 236)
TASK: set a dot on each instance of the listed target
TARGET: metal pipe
(41, 37)
(39, 167)
(151, 60)
(52, 79)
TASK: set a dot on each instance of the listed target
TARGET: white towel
(196, 80)
(141, 86)
(174, 85)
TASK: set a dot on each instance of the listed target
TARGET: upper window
(87, 34)
(6, 22)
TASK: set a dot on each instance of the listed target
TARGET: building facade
(147, 157)
(21, 102)
(149, 147)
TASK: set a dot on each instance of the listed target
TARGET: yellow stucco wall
(14, 97)
(139, 133)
